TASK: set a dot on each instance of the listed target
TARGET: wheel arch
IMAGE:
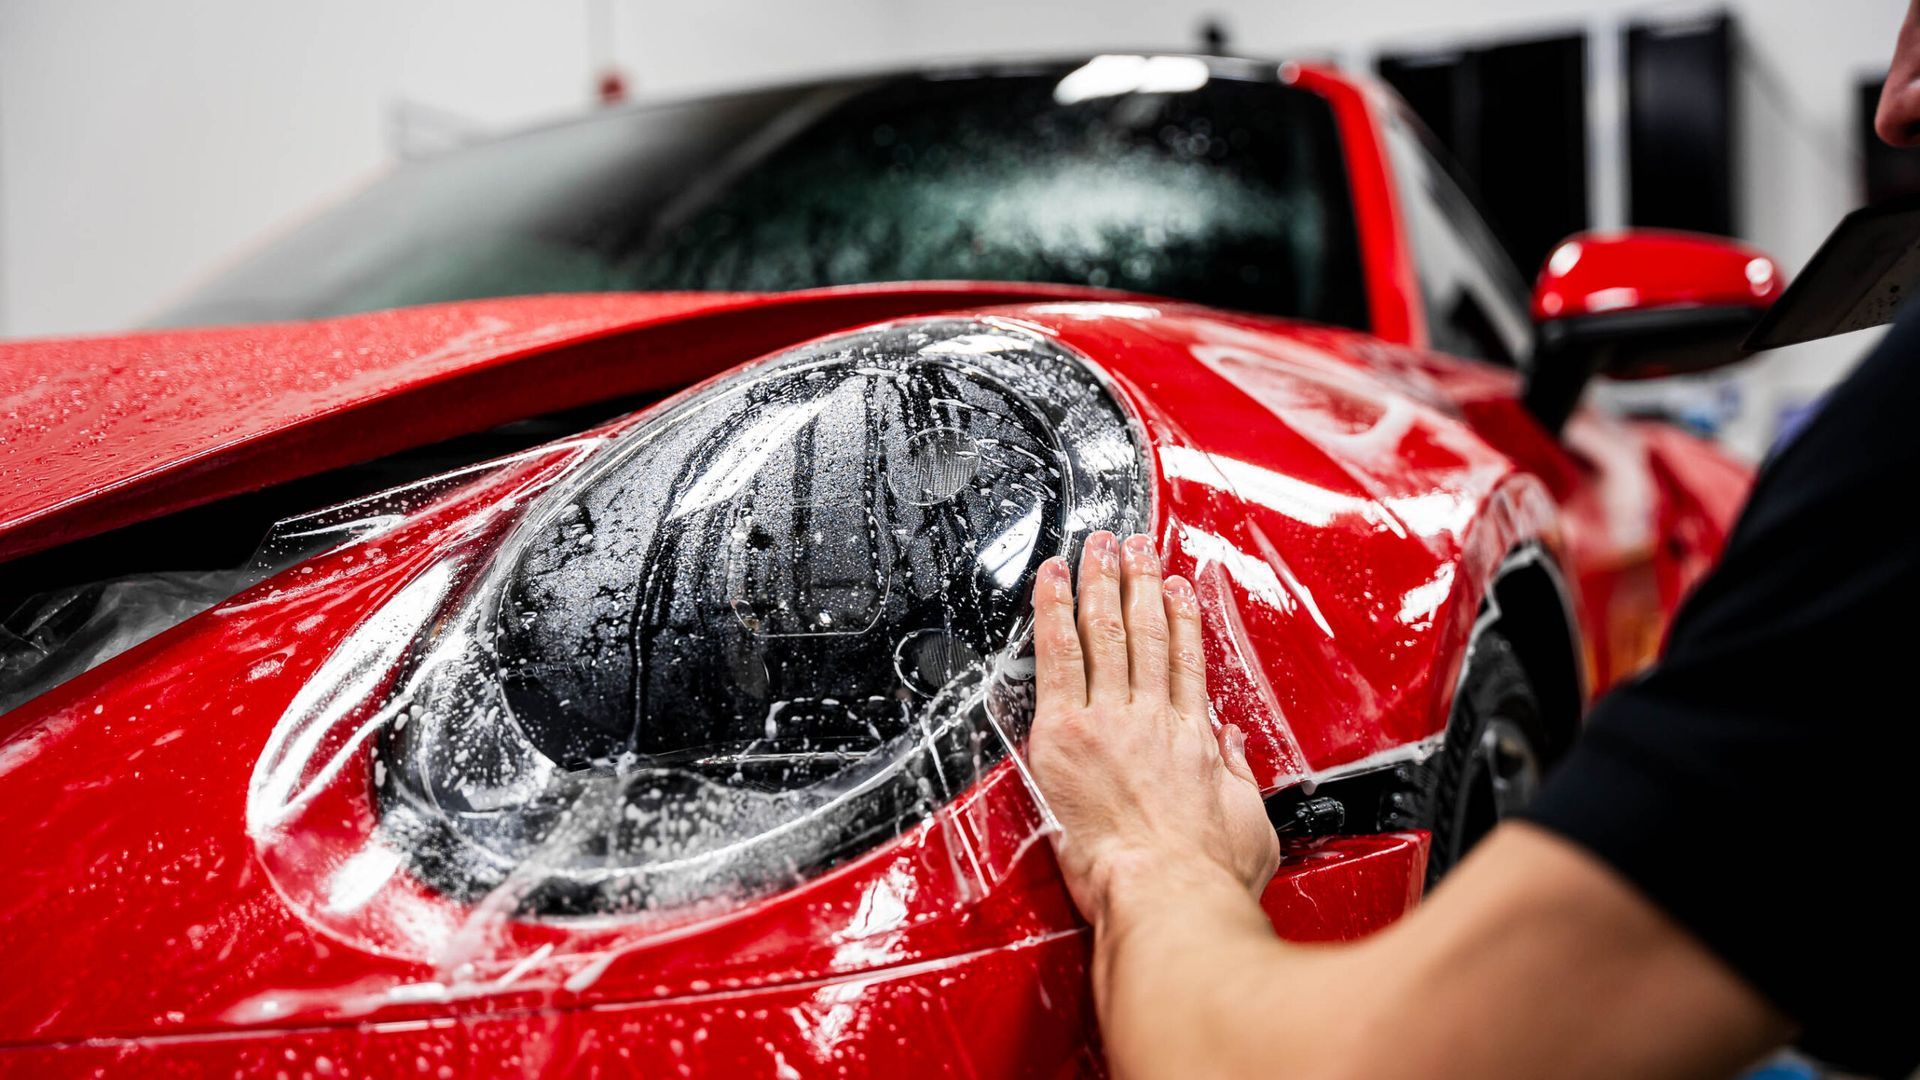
(1533, 609)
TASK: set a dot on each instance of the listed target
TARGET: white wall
(143, 143)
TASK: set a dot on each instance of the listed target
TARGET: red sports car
(632, 675)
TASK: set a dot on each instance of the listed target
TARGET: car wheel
(1487, 769)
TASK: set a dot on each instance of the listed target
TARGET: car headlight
(766, 627)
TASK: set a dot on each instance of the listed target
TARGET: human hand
(1122, 747)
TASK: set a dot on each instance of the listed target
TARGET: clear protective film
(666, 673)
(68, 630)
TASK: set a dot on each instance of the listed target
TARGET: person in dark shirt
(1718, 868)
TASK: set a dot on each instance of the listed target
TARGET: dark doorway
(1680, 130)
(1514, 117)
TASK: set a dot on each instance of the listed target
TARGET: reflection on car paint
(966, 894)
(1344, 504)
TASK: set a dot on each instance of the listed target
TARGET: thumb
(1233, 750)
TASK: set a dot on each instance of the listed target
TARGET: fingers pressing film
(1060, 671)
(1187, 678)
(1103, 630)
(1133, 636)
(1146, 618)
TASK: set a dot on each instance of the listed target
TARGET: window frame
(1488, 289)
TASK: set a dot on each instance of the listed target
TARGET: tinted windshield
(1146, 174)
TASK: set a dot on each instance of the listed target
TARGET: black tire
(1490, 763)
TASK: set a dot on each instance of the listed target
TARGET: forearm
(1190, 981)
(1533, 960)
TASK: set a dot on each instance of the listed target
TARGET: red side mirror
(1642, 303)
(1648, 270)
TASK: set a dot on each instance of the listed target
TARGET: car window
(1227, 191)
(1476, 303)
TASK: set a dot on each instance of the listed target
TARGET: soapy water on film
(61, 633)
(762, 631)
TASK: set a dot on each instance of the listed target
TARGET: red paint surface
(1704, 490)
(1642, 269)
(137, 896)
(103, 432)
(1339, 519)
(1342, 502)
(1393, 291)
(1379, 878)
(1024, 1010)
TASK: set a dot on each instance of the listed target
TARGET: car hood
(102, 432)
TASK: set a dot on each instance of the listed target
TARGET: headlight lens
(766, 627)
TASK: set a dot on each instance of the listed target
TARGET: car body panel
(1343, 501)
(1031, 1014)
(1301, 427)
(127, 785)
(182, 929)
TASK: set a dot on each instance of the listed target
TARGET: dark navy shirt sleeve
(1758, 782)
